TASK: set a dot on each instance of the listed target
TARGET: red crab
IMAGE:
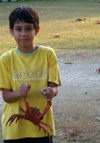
(33, 115)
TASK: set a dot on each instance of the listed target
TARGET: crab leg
(49, 103)
(45, 124)
(45, 130)
(27, 105)
(21, 109)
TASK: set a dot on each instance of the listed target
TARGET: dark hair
(24, 14)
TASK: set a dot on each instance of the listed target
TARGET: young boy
(27, 71)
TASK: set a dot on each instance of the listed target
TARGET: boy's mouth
(24, 40)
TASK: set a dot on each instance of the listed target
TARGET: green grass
(58, 16)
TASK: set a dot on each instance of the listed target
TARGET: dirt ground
(77, 105)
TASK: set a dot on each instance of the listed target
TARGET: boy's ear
(37, 30)
(11, 31)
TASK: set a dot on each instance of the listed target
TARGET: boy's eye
(29, 28)
(18, 29)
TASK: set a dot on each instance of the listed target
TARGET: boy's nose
(23, 32)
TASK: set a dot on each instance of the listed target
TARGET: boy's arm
(50, 91)
(11, 96)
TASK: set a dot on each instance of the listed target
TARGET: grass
(58, 16)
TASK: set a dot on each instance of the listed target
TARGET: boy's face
(24, 34)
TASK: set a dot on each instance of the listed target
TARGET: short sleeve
(53, 68)
(4, 73)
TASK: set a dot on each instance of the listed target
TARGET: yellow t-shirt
(37, 68)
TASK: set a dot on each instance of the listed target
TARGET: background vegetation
(58, 17)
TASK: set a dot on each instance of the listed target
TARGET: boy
(27, 71)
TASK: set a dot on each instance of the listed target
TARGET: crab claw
(13, 117)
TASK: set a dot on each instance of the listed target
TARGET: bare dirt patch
(77, 106)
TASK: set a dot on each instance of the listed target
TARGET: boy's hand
(48, 92)
(24, 89)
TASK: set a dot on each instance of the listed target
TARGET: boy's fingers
(24, 89)
(44, 91)
(29, 85)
